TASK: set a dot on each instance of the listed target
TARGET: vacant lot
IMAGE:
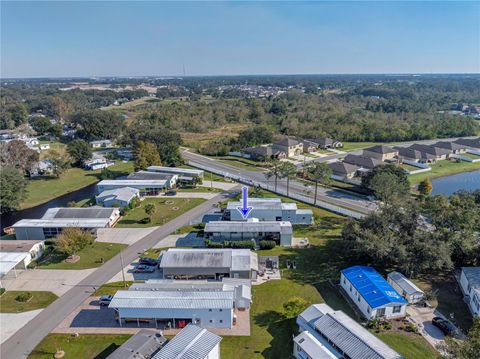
(85, 346)
(43, 189)
(38, 300)
(90, 257)
(166, 210)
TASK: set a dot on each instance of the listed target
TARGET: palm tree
(287, 170)
(319, 173)
(274, 171)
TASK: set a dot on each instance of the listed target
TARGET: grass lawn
(43, 189)
(85, 346)
(317, 267)
(409, 167)
(90, 257)
(352, 146)
(444, 168)
(411, 346)
(39, 299)
(471, 155)
(111, 288)
(242, 165)
(165, 211)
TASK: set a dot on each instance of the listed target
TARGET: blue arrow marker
(244, 210)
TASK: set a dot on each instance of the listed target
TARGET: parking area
(126, 236)
(11, 322)
(91, 318)
(57, 281)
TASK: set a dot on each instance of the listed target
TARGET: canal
(38, 211)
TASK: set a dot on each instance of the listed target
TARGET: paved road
(355, 203)
(24, 340)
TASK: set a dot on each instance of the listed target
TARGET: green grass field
(164, 211)
(444, 168)
(411, 346)
(39, 300)
(242, 165)
(111, 288)
(43, 189)
(85, 346)
(90, 257)
(352, 146)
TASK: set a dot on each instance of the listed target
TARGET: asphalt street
(24, 340)
(352, 202)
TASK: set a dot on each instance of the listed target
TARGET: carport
(9, 261)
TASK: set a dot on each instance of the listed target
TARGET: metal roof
(403, 282)
(8, 260)
(148, 299)
(149, 175)
(372, 286)
(133, 182)
(315, 311)
(63, 222)
(248, 227)
(235, 259)
(473, 276)
(18, 246)
(176, 170)
(313, 347)
(351, 338)
(191, 342)
(144, 344)
(79, 213)
(122, 194)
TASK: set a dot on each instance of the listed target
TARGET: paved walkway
(126, 236)
(91, 318)
(220, 185)
(58, 281)
(11, 322)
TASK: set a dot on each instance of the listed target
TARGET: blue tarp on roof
(372, 286)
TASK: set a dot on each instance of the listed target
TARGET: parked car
(148, 261)
(144, 269)
(171, 192)
(446, 327)
(105, 300)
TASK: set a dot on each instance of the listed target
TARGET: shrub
(24, 297)
(2, 290)
(210, 244)
(32, 265)
(412, 328)
(373, 323)
(145, 220)
(267, 244)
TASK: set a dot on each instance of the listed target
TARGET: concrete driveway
(11, 322)
(422, 317)
(126, 236)
(57, 281)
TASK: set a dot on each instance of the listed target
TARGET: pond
(38, 211)
(449, 184)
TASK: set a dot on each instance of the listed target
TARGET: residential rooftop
(176, 170)
(249, 227)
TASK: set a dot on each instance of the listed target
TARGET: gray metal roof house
(339, 335)
(192, 342)
(405, 287)
(211, 263)
(190, 172)
(270, 209)
(145, 344)
(55, 219)
(252, 229)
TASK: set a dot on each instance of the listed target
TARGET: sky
(66, 39)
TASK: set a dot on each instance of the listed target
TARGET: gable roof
(372, 286)
(191, 342)
(470, 142)
(403, 282)
(288, 142)
(144, 344)
(414, 154)
(452, 146)
(430, 149)
(343, 167)
(381, 149)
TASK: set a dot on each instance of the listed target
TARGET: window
(344, 281)
(350, 287)
(368, 309)
(209, 310)
(397, 309)
(211, 321)
(221, 320)
(220, 310)
(359, 298)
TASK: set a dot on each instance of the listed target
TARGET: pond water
(38, 211)
(449, 184)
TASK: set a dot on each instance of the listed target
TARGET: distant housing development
(326, 333)
(56, 219)
(371, 293)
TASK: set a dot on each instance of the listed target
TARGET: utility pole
(123, 273)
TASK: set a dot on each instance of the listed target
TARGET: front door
(380, 312)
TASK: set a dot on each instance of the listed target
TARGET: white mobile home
(405, 287)
(119, 197)
(372, 294)
(470, 285)
(270, 209)
(146, 187)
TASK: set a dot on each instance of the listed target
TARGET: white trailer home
(405, 287)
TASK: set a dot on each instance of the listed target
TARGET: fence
(299, 197)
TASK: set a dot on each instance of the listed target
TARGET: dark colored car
(144, 269)
(105, 300)
(446, 327)
(148, 261)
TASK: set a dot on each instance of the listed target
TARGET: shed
(405, 287)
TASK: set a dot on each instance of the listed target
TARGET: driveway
(11, 322)
(57, 281)
(422, 317)
(126, 236)
(226, 186)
